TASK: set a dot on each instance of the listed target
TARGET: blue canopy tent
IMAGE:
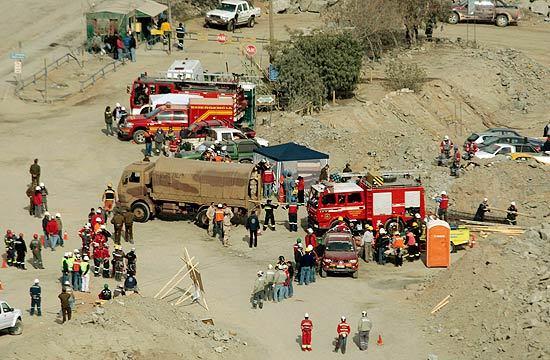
(297, 159)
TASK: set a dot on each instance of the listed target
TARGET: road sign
(17, 56)
(17, 67)
(265, 100)
(251, 50)
(221, 38)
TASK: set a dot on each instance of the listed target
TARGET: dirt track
(78, 160)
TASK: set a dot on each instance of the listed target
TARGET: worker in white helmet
(363, 328)
(481, 210)
(306, 326)
(512, 213)
(38, 202)
(108, 115)
(343, 330)
(258, 293)
(44, 192)
(36, 298)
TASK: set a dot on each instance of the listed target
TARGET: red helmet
(9, 232)
(35, 236)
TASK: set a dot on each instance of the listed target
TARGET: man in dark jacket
(307, 264)
(481, 210)
(129, 226)
(253, 225)
(20, 251)
(118, 223)
(269, 214)
(35, 173)
(158, 138)
(36, 298)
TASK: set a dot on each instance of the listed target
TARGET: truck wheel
(245, 161)
(231, 25)
(355, 274)
(139, 136)
(17, 329)
(141, 212)
(393, 225)
(251, 22)
(323, 273)
(202, 219)
(502, 20)
(454, 18)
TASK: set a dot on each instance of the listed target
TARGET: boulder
(317, 6)
(304, 5)
(280, 6)
(540, 7)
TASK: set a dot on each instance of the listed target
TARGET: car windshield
(339, 246)
(491, 149)
(473, 137)
(153, 113)
(227, 7)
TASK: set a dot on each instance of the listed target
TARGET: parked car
(543, 158)
(512, 140)
(495, 11)
(491, 151)
(239, 150)
(10, 319)
(231, 13)
(480, 137)
(340, 254)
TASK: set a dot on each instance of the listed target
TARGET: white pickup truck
(231, 13)
(10, 319)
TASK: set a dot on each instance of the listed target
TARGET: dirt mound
(501, 181)
(132, 327)
(500, 302)
(187, 9)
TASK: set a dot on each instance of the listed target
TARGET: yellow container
(460, 236)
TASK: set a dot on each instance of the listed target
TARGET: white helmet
(260, 273)
(86, 258)
(306, 315)
(58, 215)
(443, 192)
(36, 281)
(123, 108)
(417, 216)
(117, 105)
(446, 137)
(46, 214)
(382, 231)
(513, 203)
(220, 205)
(310, 230)
(103, 227)
(98, 211)
(87, 225)
(224, 148)
(98, 219)
(363, 313)
(41, 185)
(485, 199)
(270, 267)
(217, 142)
(343, 318)
(37, 188)
(309, 247)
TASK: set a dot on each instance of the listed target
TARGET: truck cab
(133, 189)
(163, 117)
(10, 319)
(231, 13)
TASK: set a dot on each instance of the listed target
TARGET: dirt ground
(77, 161)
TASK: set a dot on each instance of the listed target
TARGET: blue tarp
(290, 152)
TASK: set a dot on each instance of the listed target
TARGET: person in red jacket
(106, 257)
(306, 326)
(343, 329)
(292, 216)
(311, 239)
(301, 185)
(268, 178)
(443, 205)
(98, 257)
(52, 228)
(37, 202)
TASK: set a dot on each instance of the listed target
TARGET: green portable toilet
(249, 118)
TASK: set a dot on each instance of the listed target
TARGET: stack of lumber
(488, 227)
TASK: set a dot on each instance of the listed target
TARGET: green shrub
(402, 75)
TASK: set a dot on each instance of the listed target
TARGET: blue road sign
(17, 56)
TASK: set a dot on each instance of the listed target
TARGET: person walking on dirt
(290, 279)
(292, 216)
(44, 193)
(306, 326)
(108, 121)
(20, 251)
(258, 292)
(343, 329)
(269, 283)
(59, 229)
(512, 214)
(65, 307)
(279, 283)
(36, 298)
(158, 138)
(180, 35)
(268, 178)
(85, 268)
(148, 144)
(37, 202)
(36, 248)
(367, 240)
(481, 210)
(382, 244)
(118, 263)
(218, 222)
(118, 223)
(442, 205)
(210, 213)
(311, 238)
(227, 216)
(129, 226)
(30, 195)
(253, 225)
(301, 186)
(131, 262)
(269, 219)
(35, 173)
(108, 199)
(363, 328)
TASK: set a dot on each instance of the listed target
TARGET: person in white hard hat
(512, 213)
(258, 292)
(442, 205)
(60, 231)
(117, 112)
(481, 210)
(382, 244)
(306, 326)
(445, 148)
(363, 328)
(86, 270)
(218, 222)
(36, 298)
(44, 192)
(37, 202)
(269, 283)
(343, 330)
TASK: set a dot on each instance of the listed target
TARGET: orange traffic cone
(472, 241)
(65, 236)
(380, 342)
(42, 239)
(4, 263)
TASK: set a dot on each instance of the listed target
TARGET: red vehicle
(145, 86)
(176, 117)
(340, 254)
(390, 200)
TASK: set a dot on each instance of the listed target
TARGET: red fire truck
(144, 86)
(390, 200)
(176, 117)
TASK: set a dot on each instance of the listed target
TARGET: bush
(402, 75)
(312, 67)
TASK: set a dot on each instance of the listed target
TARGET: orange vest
(218, 215)
(398, 243)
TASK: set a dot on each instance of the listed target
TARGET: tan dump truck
(186, 188)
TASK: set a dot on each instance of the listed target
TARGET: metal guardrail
(100, 74)
(230, 38)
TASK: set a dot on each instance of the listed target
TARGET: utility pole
(170, 37)
(45, 81)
